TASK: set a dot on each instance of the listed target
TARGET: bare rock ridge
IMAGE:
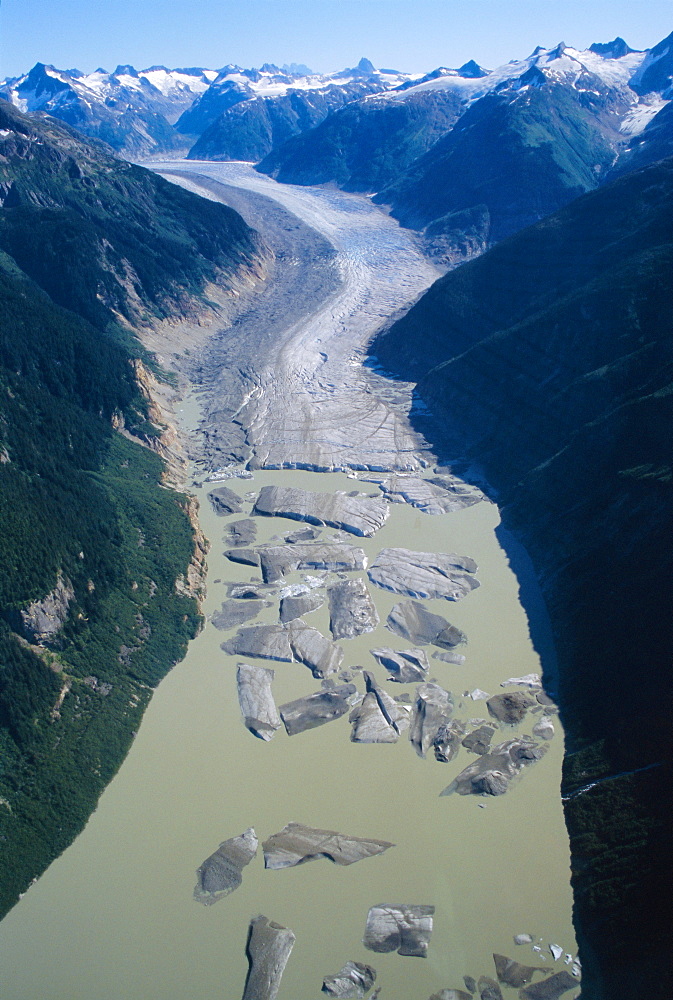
(296, 844)
(268, 947)
(220, 874)
(359, 515)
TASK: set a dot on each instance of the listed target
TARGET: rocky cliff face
(548, 362)
(42, 620)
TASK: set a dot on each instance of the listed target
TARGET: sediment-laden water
(115, 916)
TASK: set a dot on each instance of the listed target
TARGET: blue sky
(411, 35)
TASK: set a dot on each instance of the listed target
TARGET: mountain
(132, 111)
(365, 145)
(108, 239)
(547, 364)
(100, 559)
(515, 157)
(650, 131)
(246, 113)
(471, 155)
(655, 74)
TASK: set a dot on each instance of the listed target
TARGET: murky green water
(114, 916)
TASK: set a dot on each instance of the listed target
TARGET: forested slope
(548, 366)
(94, 549)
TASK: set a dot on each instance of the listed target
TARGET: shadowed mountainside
(547, 366)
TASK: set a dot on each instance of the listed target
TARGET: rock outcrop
(42, 620)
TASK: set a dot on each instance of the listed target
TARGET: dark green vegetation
(518, 159)
(548, 365)
(105, 238)
(249, 129)
(367, 144)
(90, 248)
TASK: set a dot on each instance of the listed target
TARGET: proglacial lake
(114, 917)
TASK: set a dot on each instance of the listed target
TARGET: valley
(391, 353)
(195, 776)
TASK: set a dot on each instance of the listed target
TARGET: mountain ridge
(101, 560)
(547, 364)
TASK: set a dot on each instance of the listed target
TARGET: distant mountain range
(160, 110)
(471, 156)
(468, 155)
(132, 111)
